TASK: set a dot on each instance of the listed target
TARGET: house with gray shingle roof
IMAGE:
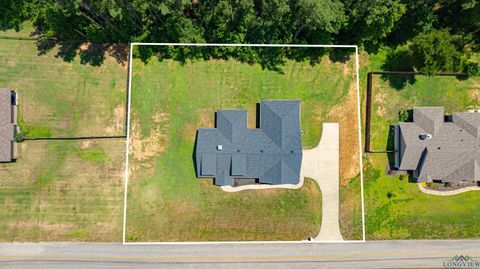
(271, 154)
(8, 125)
(439, 148)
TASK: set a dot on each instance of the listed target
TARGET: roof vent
(219, 147)
(425, 136)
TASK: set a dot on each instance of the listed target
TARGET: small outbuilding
(8, 124)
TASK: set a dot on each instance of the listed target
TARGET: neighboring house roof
(271, 153)
(451, 154)
(6, 125)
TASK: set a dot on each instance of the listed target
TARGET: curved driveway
(321, 164)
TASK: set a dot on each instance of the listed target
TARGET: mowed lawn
(170, 101)
(63, 190)
(63, 99)
(395, 208)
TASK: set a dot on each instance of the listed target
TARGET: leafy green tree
(419, 17)
(460, 16)
(315, 21)
(372, 20)
(437, 51)
(12, 14)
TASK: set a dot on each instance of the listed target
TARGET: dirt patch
(474, 94)
(379, 100)
(146, 149)
(346, 114)
(57, 226)
(117, 124)
(205, 119)
(86, 144)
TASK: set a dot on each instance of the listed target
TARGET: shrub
(19, 137)
(403, 115)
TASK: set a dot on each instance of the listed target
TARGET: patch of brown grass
(146, 149)
(118, 121)
(346, 114)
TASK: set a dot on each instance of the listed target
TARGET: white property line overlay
(357, 67)
(129, 94)
(238, 45)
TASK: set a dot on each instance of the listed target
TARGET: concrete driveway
(322, 165)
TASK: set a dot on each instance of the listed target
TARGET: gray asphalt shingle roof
(452, 153)
(6, 125)
(271, 153)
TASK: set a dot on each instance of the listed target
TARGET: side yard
(63, 190)
(63, 99)
(170, 100)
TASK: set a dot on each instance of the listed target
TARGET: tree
(419, 17)
(14, 12)
(371, 21)
(437, 51)
(461, 17)
(315, 21)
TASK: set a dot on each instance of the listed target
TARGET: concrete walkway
(322, 164)
(447, 193)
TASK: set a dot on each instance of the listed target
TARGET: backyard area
(171, 100)
(63, 190)
(395, 208)
(63, 99)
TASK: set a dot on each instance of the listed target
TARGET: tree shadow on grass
(88, 53)
(269, 58)
(398, 60)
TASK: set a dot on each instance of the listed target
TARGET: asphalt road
(373, 254)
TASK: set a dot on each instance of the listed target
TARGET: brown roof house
(8, 125)
(439, 148)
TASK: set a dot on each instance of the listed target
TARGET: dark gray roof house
(8, 120)
(439, 148)
(271, 154)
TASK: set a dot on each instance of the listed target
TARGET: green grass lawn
(55, 193)
(63, 190)
(451, 93)
(166, 202)
(396, 209)
(25, 32)
(61, 99)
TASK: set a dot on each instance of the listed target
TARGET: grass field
(395, 208)
(63, 190)
(166, 202)
(57, 192)
(62, 99)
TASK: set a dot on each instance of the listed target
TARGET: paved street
(373, 254)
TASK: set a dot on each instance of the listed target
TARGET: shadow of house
(194, 154)
(390, 147)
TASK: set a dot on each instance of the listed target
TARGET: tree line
(423, 35)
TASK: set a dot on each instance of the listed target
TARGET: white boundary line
(359, 106)
(124, 242)
(127, 146)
